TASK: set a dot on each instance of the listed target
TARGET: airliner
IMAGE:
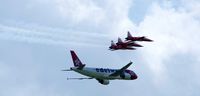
(102, 75)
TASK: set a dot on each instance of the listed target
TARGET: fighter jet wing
(118, 72)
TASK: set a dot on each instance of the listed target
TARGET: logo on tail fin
(77, 63)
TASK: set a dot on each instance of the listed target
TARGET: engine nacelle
(104, 82)
(122, 76)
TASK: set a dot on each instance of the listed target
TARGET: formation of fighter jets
(103, 75)
(129, 43)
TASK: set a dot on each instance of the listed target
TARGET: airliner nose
(134, 76)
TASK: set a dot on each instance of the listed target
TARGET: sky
(36, 36)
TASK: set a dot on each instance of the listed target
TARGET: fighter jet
(102, 75)
(127, 43)
(143, 38)
(120, 47)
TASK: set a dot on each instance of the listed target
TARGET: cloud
(168, 61)
(107, 16)
(80, 11)
(90, 21)
(88, 28)
(175, 31)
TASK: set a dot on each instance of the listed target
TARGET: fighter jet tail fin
(129, 34)
(119, 40)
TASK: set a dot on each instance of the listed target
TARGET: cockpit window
(130, 72)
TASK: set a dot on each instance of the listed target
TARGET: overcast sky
(36, 36)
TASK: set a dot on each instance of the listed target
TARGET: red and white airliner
(102, 75)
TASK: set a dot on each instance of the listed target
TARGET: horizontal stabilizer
(66, 70)
(78, 78)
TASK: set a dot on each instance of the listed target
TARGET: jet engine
(122, 75)
(104, 82)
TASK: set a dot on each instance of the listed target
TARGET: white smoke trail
(54, 36)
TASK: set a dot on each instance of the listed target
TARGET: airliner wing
(118, 72)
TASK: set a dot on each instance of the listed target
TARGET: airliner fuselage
(105, 73)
